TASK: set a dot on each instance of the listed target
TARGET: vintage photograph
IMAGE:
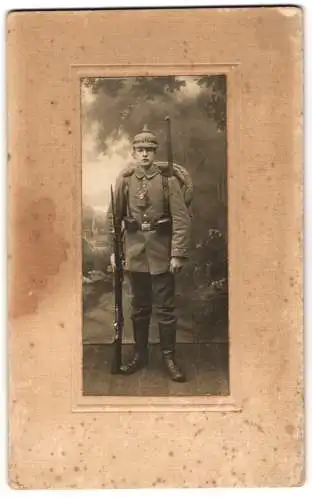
(154, 236)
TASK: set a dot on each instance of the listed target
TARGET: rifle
(118, 281)
(169, 147)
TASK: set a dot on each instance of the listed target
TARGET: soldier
(150, 204)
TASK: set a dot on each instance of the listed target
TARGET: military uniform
(146, 250)
(150, 205)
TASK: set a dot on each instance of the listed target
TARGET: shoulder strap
(165, 187)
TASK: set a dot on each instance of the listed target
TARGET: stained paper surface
(253, 437)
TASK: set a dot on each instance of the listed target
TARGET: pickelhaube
(146, 139)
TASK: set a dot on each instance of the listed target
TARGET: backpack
(179, 172)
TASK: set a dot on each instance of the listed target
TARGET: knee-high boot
(167, 337)
(140, 354)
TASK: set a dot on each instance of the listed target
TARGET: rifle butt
(116, 358)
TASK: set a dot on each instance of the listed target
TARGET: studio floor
(205, 365)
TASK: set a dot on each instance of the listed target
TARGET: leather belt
(161, 225)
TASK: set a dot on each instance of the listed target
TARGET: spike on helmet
(146, 139)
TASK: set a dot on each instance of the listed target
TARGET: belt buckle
(146, 226)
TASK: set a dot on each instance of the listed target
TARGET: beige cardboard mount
(60, 439)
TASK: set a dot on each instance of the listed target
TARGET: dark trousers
(149, 290)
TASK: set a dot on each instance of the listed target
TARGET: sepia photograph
(154, 236)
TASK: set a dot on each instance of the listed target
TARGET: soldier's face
(144, 156)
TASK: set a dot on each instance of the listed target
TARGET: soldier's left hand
(176, 264)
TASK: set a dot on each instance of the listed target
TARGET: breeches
(153, 290)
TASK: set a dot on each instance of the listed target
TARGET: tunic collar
(149, 173)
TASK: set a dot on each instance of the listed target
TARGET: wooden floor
(205, 364)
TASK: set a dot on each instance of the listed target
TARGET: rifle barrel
(118, 281)
(169, 145)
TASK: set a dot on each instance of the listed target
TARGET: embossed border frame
(232, 402)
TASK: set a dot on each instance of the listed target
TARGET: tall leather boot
(140, 355)
(167, 337)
